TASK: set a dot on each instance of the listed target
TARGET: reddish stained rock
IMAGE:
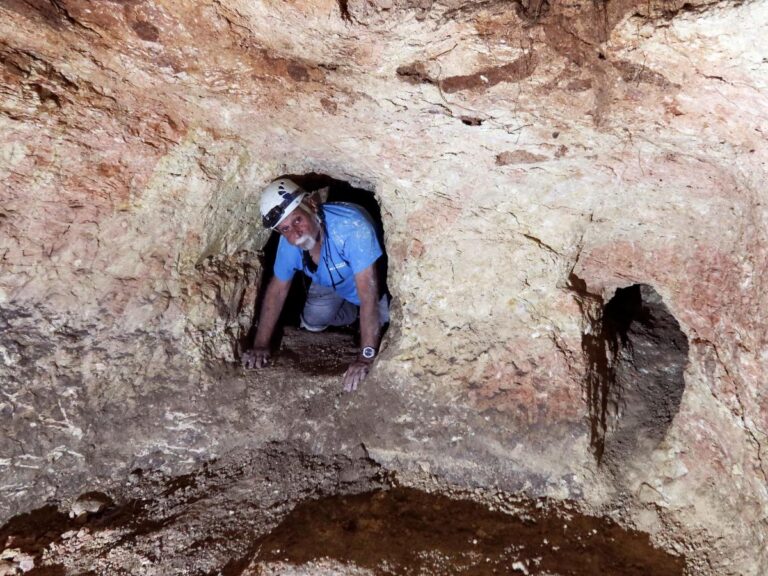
(514, 71)
(519, 157)
(443, 209)
(638, 74)
(51, 13)
(268, 63)
(329, 105)
(415, 73)
(530, 390)
(146, 31)
(298, 72)
(712, 281)
(579, 85)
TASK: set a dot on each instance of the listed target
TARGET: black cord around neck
(309, 264)
(327, 248)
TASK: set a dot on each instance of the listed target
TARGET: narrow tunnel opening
(330, 351)
(637, 357)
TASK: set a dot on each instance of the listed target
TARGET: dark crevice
(46, 96)
(471, 121)
(598, 390)
(636, 356)
(415, 73)
(531, 11)
(344, 10)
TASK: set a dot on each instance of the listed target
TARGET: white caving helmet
(279, 199)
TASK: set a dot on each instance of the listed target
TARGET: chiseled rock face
(530, 159)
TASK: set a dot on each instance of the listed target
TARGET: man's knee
(311, 327)
(326, 308)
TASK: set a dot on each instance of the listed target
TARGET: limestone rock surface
(530, 158)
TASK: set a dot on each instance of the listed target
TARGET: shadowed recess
(637, 359)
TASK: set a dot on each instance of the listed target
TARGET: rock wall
(530, 158)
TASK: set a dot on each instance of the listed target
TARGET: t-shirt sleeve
(361, 247)
(287, 261)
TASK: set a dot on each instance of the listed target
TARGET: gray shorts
(326, 308)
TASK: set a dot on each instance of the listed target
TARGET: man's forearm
(274, 298)
(368, 291)
(370, 328)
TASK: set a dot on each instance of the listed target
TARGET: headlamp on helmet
(278, 200)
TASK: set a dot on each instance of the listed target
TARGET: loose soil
(407, 531)
(327, 353)
(281, 511)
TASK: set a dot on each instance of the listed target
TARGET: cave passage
(637, 360)
(330, 352)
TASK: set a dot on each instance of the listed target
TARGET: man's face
(300, 229)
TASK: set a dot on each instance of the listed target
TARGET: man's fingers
(350, 383)
(348, 380)
(258, 359)
(354, 375)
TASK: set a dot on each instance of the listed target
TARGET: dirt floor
(279, 511)
(316, 354)
(202, 523)
(406, 531)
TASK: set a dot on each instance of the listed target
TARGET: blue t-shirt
(350, 247)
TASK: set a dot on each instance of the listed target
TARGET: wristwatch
(368, 353)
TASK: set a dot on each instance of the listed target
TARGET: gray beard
(306, 242)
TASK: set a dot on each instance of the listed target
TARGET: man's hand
(256, 358)
(355, 374)
(274, 299)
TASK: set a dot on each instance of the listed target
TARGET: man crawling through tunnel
(334, 244)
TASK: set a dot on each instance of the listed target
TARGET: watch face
(369, 352)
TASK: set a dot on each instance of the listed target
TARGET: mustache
(306, 242)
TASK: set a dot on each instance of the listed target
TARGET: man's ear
(322, 194)
(312, 202)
